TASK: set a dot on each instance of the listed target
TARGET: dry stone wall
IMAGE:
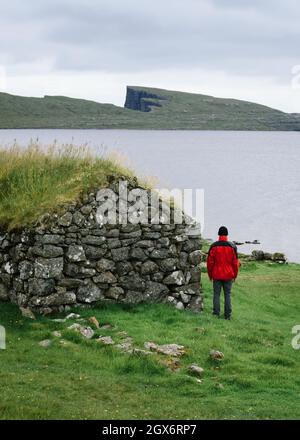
(71, 259)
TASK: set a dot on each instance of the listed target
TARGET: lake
(251, 179)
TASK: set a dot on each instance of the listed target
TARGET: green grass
(178, 110)
(36, 180)
(258, 378)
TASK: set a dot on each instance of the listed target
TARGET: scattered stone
(75, 326)
(123, 334)
(128, 339)
(106, 327)
(216, 355)
(196, 370)
(87, 332)
(142, 352)
(64, 342)
(258, 255)
(173, 364)
(45, 343)
(279, 257)
(72, 316)
(56, 334)
(27, 313)
(93, 320)
(150, 346)
(166, 349)
(125, 346)
(200, 330)
(172, 350)
(106, 340)
(268, 256)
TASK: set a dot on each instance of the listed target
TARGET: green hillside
(61, 112)
(145, 108)
(193, 111)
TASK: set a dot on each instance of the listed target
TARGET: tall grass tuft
(42, 179)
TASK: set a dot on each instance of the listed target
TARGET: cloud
(257, 38)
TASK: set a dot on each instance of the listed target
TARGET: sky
(93, 49)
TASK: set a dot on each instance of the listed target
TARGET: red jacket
(222, 260)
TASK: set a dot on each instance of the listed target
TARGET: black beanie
(223, 230)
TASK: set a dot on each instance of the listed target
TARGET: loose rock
(196, 370)
(106, 340)
(27, 313)
(45, 343)
(216, 355)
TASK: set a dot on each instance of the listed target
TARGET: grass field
(259, 377)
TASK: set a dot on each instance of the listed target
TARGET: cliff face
(141, 100)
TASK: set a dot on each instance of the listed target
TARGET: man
(222, 268)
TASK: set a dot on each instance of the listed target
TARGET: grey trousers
(218, 284)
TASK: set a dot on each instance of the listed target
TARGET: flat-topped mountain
(145, 108)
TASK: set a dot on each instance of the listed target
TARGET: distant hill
(145, 108)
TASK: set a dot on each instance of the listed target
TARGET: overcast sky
(94, 48)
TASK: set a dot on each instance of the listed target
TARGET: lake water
(251, 179)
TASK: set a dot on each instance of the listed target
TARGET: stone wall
(71, 259)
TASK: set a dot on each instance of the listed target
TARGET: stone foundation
(71, 259)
